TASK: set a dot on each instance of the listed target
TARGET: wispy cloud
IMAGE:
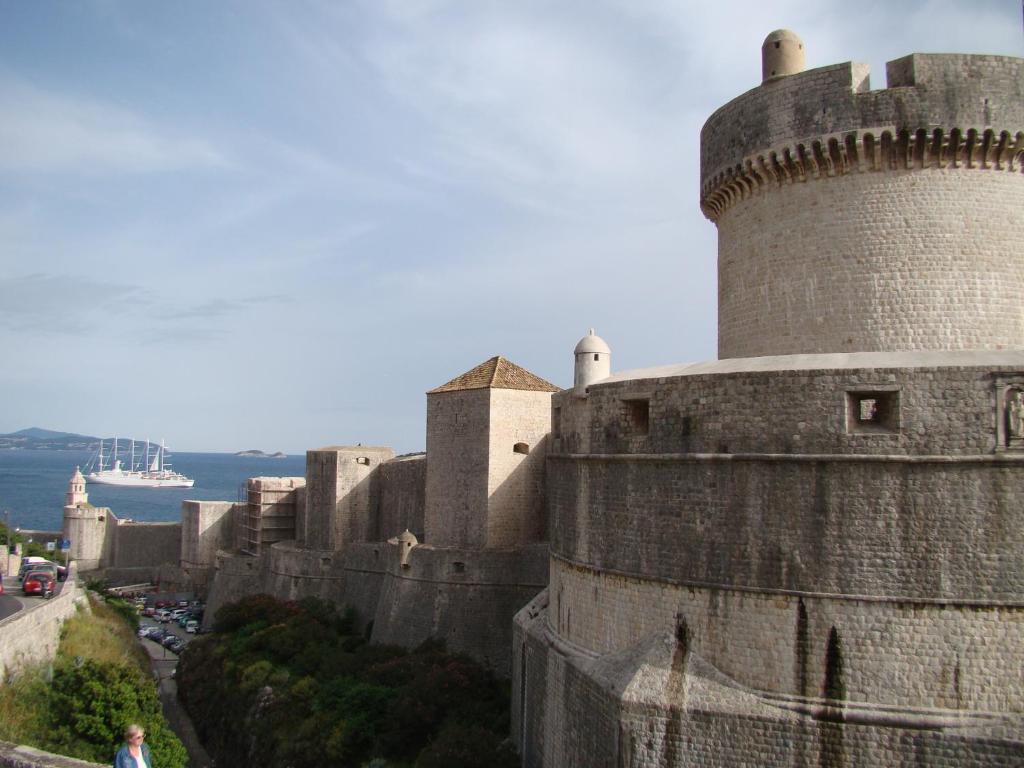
(60, 304)
(43, 131)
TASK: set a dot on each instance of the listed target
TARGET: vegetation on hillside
(98, 684)
(292, 685)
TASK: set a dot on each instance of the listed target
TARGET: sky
(276, 225)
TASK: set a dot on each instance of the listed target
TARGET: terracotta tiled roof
(497, 373)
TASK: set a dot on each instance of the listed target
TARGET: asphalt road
(9, 604)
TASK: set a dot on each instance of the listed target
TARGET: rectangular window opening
(873, 412)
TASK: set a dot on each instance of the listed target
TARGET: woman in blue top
(134, 754)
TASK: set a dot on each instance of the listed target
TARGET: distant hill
(36, 439)
(261, 455)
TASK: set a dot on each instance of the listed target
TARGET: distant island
(261, 455)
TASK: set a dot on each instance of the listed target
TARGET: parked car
(192, 627)
(27, 564)
(38, 583)
(169, 640)
(157, 634)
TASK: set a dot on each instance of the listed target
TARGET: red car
(38, 583)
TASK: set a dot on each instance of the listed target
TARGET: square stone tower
(487, 434)
(341, 497)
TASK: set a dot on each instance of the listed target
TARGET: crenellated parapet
(926, 92)
(885, 149)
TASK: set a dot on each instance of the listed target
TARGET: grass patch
(102, 636)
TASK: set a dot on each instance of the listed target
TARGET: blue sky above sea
(276, 225)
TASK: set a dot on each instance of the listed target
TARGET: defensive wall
(851, 198)
(17, 756)
(463, 598)
(32, 635)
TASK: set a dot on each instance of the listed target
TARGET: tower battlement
(925, 92)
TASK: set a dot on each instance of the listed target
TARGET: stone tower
(85, 526)
(809, 552)
(593, 362)
(486, 442)
(852, 220)
(341, 497)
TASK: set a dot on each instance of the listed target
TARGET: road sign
(51, 546)
(65, 545)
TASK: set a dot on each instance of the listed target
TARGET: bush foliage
(293, 684)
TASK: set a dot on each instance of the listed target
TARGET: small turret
(782, 53)
(76, 494)
(593, 362)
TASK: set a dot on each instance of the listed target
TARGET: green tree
(91, 703)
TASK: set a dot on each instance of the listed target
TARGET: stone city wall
(145, 545)
(943, 531)
(294, 573)
(32, 634)
(16, 756)
(898, 653)
(463, 598)
(942, 404)
(236, 576)
(661, 704)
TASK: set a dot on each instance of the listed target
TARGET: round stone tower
(593, 362)
(85, 526)
(852, 220)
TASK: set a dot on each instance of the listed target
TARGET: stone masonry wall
(32, 634)
(141, 545)
(874, 261)
(900, 654)
(463, 598)
(945, 406)
(15, 756)
(624, 712)
(206, 526)
(403, 484)
(874, 528)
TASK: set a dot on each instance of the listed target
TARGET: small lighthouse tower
(85, 526)
(593, 362)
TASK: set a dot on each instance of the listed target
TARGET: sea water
(33, 485)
